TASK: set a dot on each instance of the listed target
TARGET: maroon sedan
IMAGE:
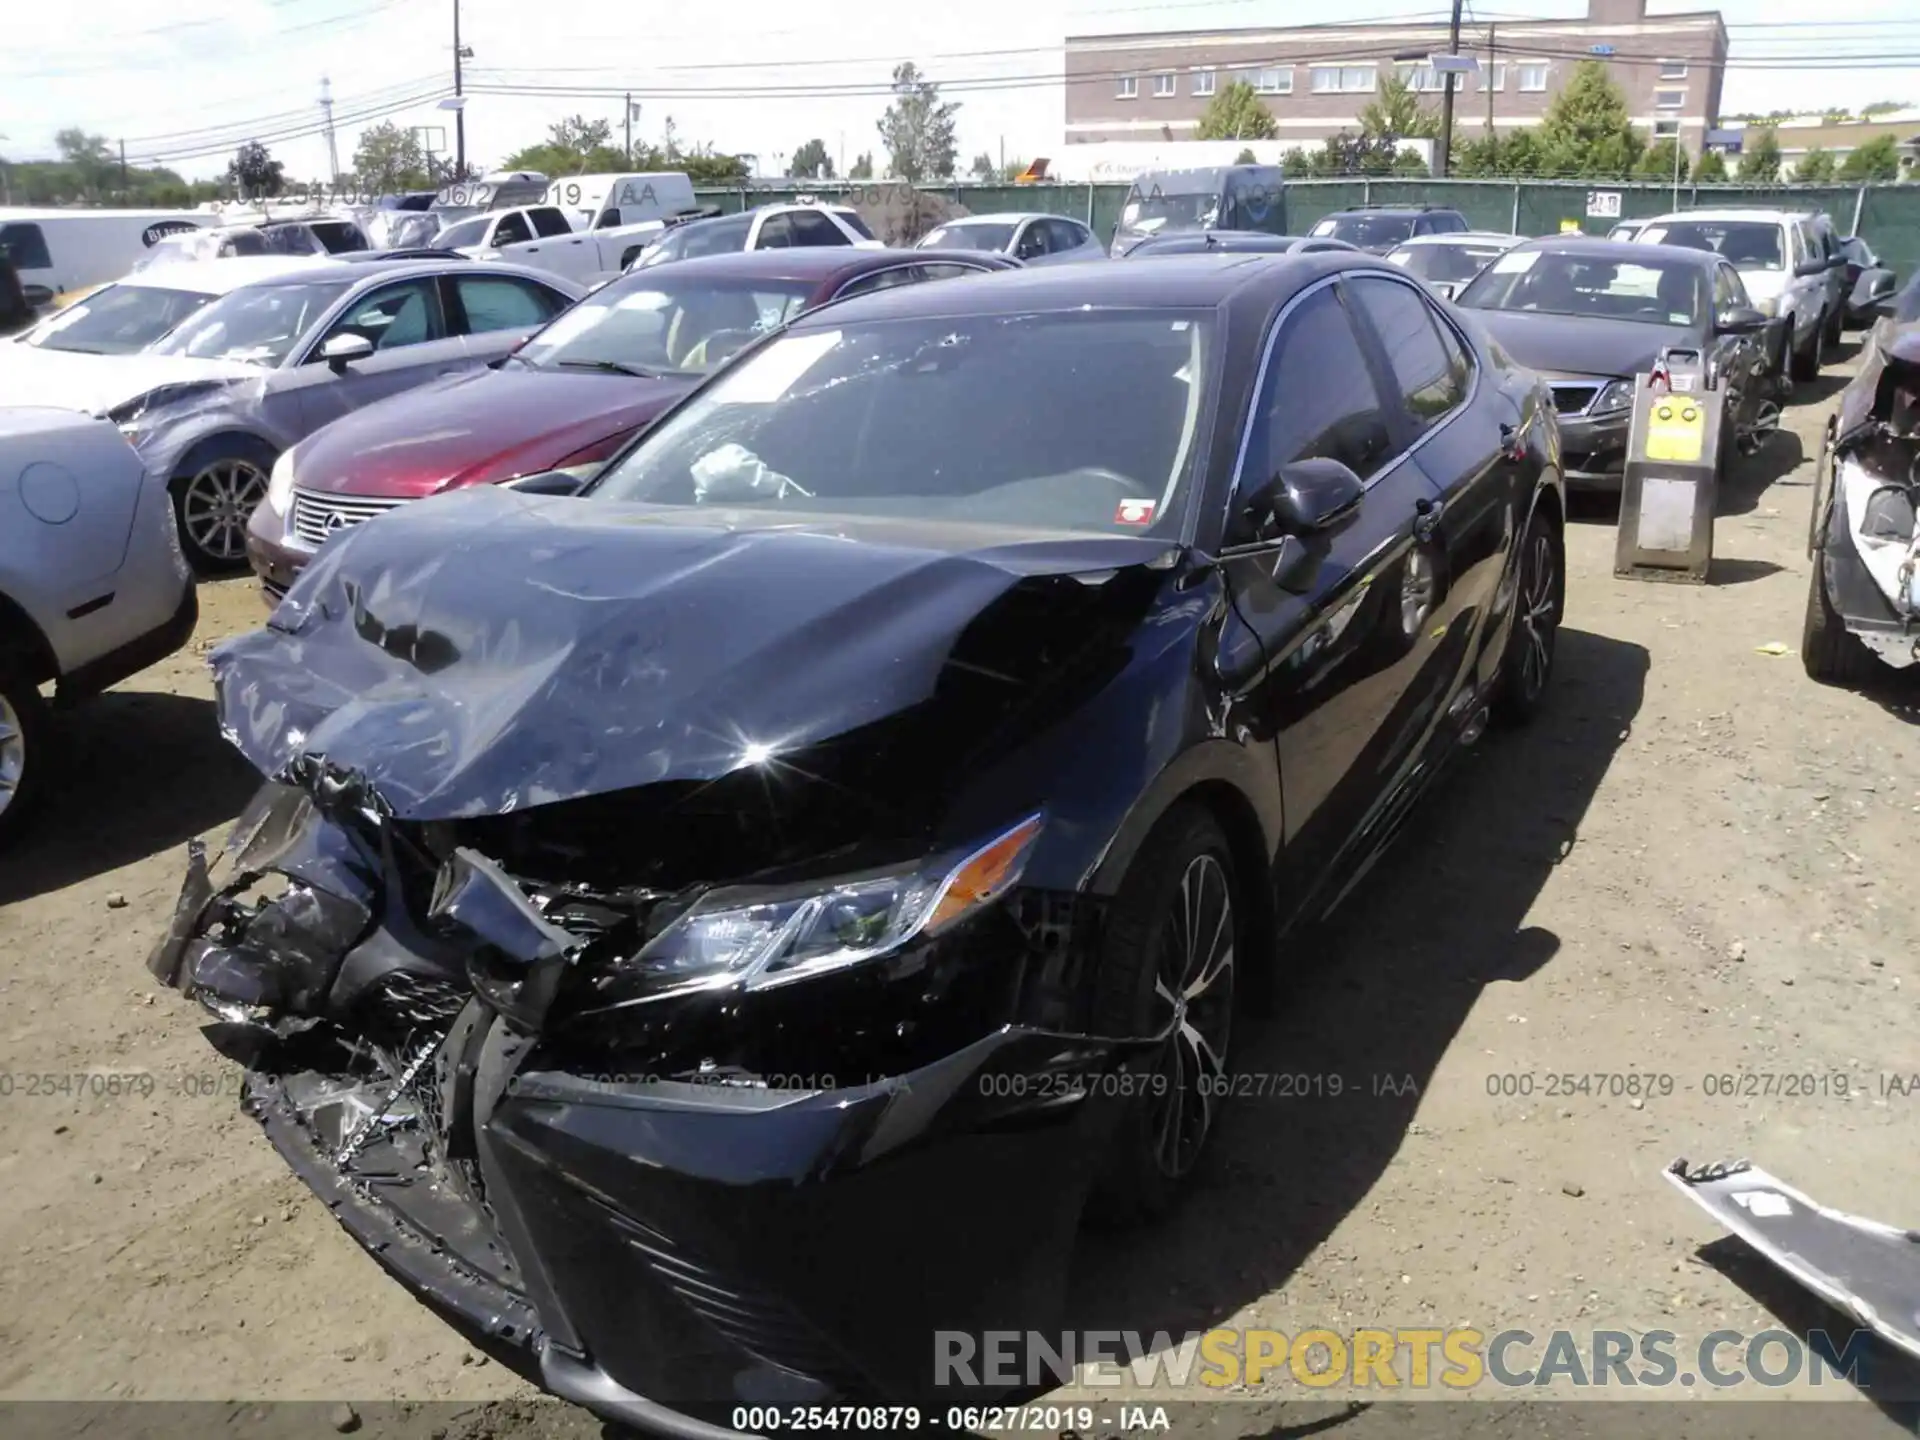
(570, 397)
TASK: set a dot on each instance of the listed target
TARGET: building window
(1203, 82)
(1163, 83)
(1669, 99)
(1127, 87)
(1493, 77)
(1673, 69)
(1426, 79)
(1533, 75)
(1344, 79)
(1274, 81)
(1666, 129)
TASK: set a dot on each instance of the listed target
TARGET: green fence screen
(1886, 216)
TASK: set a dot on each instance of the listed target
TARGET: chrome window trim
(358, 296)
(1279, 327)
(841, 291)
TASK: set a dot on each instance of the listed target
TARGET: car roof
(1602, 249)
(1732, 212)
(1464, 237)
(1005, 217)
(226, 273)
(796, 262)
(1179, 282)
(1231, 239)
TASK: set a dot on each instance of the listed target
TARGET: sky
(184, 83)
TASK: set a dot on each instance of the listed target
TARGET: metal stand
(1671, 485)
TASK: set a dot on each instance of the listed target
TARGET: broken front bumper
(664, 1250)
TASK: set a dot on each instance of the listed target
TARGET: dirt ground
(1691, 867)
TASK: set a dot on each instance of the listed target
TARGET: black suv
(1378, 228)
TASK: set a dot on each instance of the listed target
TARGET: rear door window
(1428, 362)
(548, 221)
(502, 302)
(810, 227)
(512, 230)
(776, 233)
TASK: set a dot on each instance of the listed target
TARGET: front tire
(215, 492)
(1807, 362)
(24, 745)
(1829, 652)
(1168, 964)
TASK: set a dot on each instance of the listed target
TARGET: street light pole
(1443, 152)
(460, 115)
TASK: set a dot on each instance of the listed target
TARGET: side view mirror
(1739, 320)
(1807, 268)
(546, 482)
(1307, 497)
(342, 350)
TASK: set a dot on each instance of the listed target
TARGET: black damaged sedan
(718, 929)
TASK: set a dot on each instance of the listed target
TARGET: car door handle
(1426, 519)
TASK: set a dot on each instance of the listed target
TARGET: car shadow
(1442, 918)
(1740, 572)
(1886, 1376)
(1750, 476)
(139, 772)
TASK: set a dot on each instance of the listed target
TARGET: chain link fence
(1886, 216)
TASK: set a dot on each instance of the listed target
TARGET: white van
(60, 251)
(606, 202)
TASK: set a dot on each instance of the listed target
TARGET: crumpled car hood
(487, 651)
(69, 380)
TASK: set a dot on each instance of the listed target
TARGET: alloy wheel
(216, 504)
(1761, 426)
(1194, 984)
(13, 753)
(1538, 621)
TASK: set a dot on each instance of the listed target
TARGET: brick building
(1317, 78)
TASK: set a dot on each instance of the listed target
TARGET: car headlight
(1617, 396)
(280, 484)
(760, 937)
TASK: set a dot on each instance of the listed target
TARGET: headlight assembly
(280, 484)
(1615, 397)
(760, 937)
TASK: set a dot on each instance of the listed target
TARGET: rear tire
(25, 737)
(1830, 653)
(1807, 362)
(1539, 597)
(1168, 958)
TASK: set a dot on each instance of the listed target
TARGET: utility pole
(1443, 152)
(460, 114)
(629, 129)
(333, 150)
(1487, 78)
(123, 169)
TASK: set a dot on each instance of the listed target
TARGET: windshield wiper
(611, 367)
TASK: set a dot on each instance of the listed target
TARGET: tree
(1585, 131)
(1711, 167)
(1236, 113)
(1399, 113)
(389, 160)
(918, 128)
(1662, 161)
(1881, 107)
(1875, 159)
(862, 167)
(574, 146)
(811, 162)
(1760, 157)
(1814, 167)
(1348, 154)
(983, 167)
(1246, 157)
(253, 171)
(87, 158)
(1518, 153)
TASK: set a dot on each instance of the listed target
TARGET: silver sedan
(1032, 239)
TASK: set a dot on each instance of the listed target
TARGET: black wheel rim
(1194, 985)
(1538, 618)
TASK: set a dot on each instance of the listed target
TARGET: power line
(207, 132)
(152, 158)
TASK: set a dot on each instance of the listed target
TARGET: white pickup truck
(542, 236)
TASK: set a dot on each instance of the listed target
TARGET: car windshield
(969, 235)
(1445, 263)
(664, 326)
(259, 324)
(1157, 209)
(1002, 420)
(1749, 244)
(1549, 282)
(1366, 230)
(117, 320)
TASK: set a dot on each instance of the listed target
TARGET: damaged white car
(1863, 597)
